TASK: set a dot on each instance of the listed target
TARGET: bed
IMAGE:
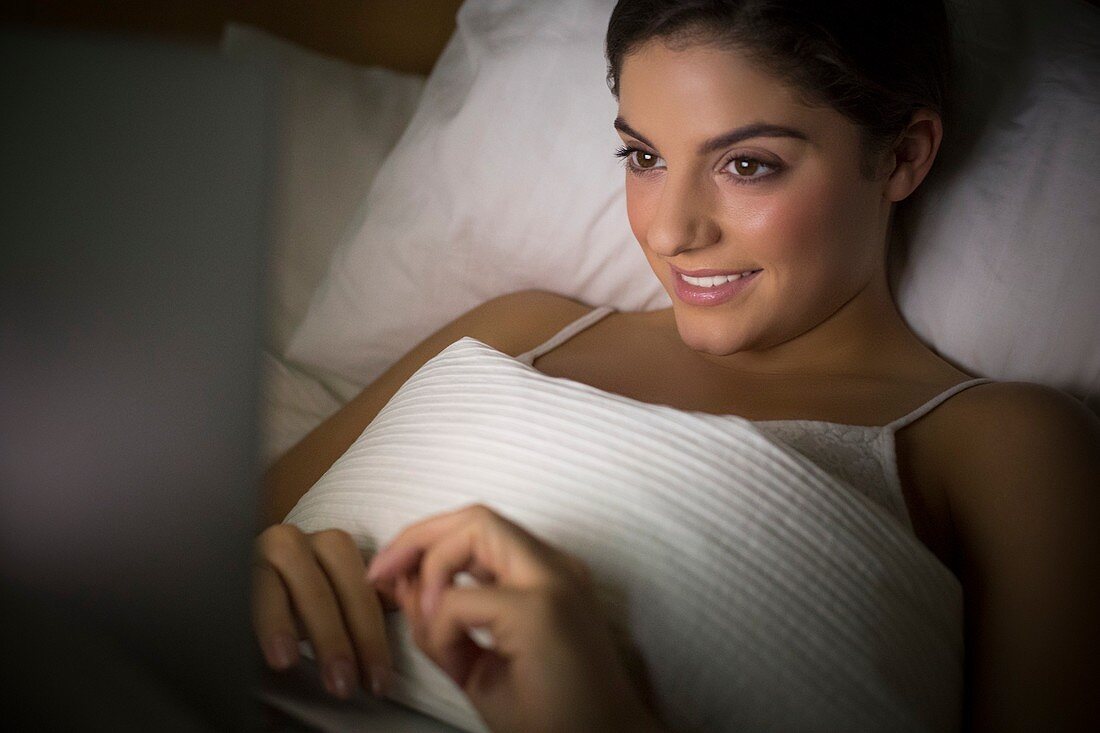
(995, 264)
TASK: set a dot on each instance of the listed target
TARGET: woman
(766, 144)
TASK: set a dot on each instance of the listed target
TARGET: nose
(683, 219)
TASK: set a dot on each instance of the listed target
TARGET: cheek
(805, 225)
(641, 199)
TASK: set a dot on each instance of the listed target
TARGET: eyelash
(626, 154)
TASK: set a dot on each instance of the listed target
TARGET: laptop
(135, 191)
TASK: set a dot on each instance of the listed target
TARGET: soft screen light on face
(742, 176)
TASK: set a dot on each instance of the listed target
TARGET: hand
(317, 583)
(553, 665)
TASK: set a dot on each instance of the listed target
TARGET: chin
(716, 337)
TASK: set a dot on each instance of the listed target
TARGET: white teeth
(710, 282)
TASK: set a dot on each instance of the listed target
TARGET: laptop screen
(136, 179)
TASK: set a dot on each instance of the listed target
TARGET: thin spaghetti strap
(931, 404)
(571, 330)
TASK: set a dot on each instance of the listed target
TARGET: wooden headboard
(406, 35)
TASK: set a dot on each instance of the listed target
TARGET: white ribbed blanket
(762, 593)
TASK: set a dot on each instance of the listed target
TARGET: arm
(511, 323)
(1024, 489)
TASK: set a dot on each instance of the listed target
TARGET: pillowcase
(336, 124)
(505, 180)
(999, 254)
(760, 592)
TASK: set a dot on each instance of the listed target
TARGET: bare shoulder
(1004, 434)
(997, 421)
(1020, 467)
(519, 321)
(511, 323)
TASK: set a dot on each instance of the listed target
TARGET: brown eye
(746, 167)
(749, 170)
(645, 160)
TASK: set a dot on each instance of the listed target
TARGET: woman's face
(730, 174)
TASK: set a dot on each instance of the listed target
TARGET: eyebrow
(736, 135)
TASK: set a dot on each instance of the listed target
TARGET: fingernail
(281, 651)
(339, 677)
(379, 680)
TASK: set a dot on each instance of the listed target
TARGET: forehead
(703, 89)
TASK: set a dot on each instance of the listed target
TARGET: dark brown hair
(875, 62)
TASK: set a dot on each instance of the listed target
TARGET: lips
(711, 272)
(711, 287)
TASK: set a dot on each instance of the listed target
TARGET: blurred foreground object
(134, 219)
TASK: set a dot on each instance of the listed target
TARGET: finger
(408, 590)
(446, 637)
(272, 619)
(401, 591)
(402, 553)
(311, 594)
(500, 547)
(388, 564)
(408, 598)
(440, 563)
(340, 559)
(387, 591)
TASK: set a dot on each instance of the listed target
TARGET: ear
(913, 153)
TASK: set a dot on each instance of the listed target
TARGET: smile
(710, 287)
(715, 280)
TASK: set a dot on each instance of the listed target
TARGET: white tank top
(864, 456)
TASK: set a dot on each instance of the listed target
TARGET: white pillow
(336, 124)
(505, 180)
(761, 593)
(1001, 249)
